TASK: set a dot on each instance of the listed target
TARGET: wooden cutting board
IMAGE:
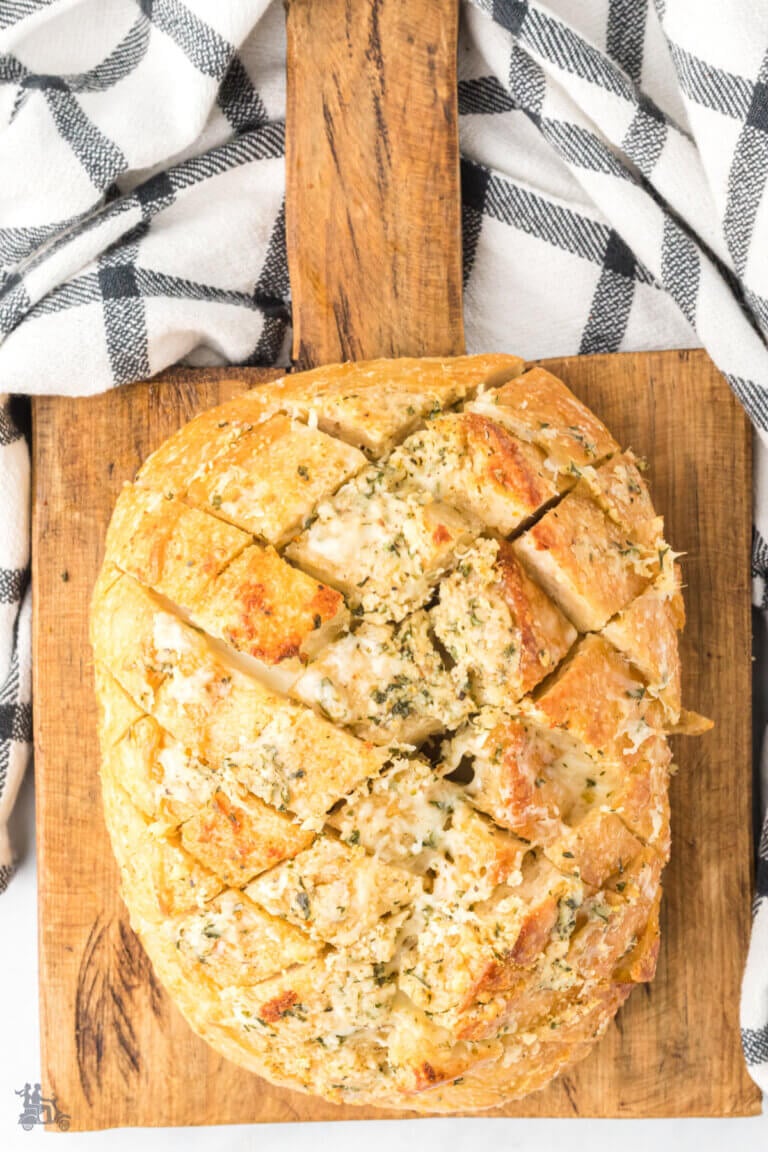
(373, 234)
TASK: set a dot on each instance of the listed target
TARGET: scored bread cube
(646, 634)
(639, 881)
(547, 899)
(638, 964)
(352, 401)
(551, 1001)
(171, 548)
(165, 780)
(383, 544)
(582, 562)
(170, 669)
(526, 776)
(585, 1017)
(126, 823)
(162, 880)
(600, 701)
(501, 630)
(399, 814)
(610, 922)
(591, 814)
(474, 856)
(166, 665)
(166, 881)
(196, 446)
(477, 466)
(594, 553)
(122, 611)
(266, 608)
(615, 818)
(423, 1055)
(596, 847)
(515, 1009)
(297, 761)
(304, 764)
(236, 835)
(281, 751)
(386, 682)
(540, 408)
(241, 592)
(413, 818)
(159, 877)
(258, 485)
(335, 892)
(455, 960)
(117, 710)
(331, 997)
(238, 839)
(620, 490)
(540, 992)
(641, 798)
(238, 943)
(621, 810)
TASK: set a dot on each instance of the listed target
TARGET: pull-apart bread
(386, 656)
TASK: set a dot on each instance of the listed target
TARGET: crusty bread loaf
(386, 654)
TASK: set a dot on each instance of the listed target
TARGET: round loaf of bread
(386, 655)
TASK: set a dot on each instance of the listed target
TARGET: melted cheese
(388, 683)
(382, 543)
(189, 687)
(182, 778)
(168, 634)
(475, 625)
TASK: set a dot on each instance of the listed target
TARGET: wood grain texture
(373, 218)
(115, 1050)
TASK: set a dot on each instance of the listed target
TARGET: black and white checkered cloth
(615, 158)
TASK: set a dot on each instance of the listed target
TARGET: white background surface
(20, 1062)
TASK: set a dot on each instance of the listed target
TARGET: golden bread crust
(385, 655)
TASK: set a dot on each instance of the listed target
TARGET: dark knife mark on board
(344, 327)
(330, 135)
(374, 54)
(570, 1094)
(115, 977)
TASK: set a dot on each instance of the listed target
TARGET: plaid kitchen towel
(614, 163)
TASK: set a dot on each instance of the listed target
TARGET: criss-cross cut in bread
(386, 655)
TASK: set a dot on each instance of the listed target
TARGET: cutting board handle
(373, 212)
